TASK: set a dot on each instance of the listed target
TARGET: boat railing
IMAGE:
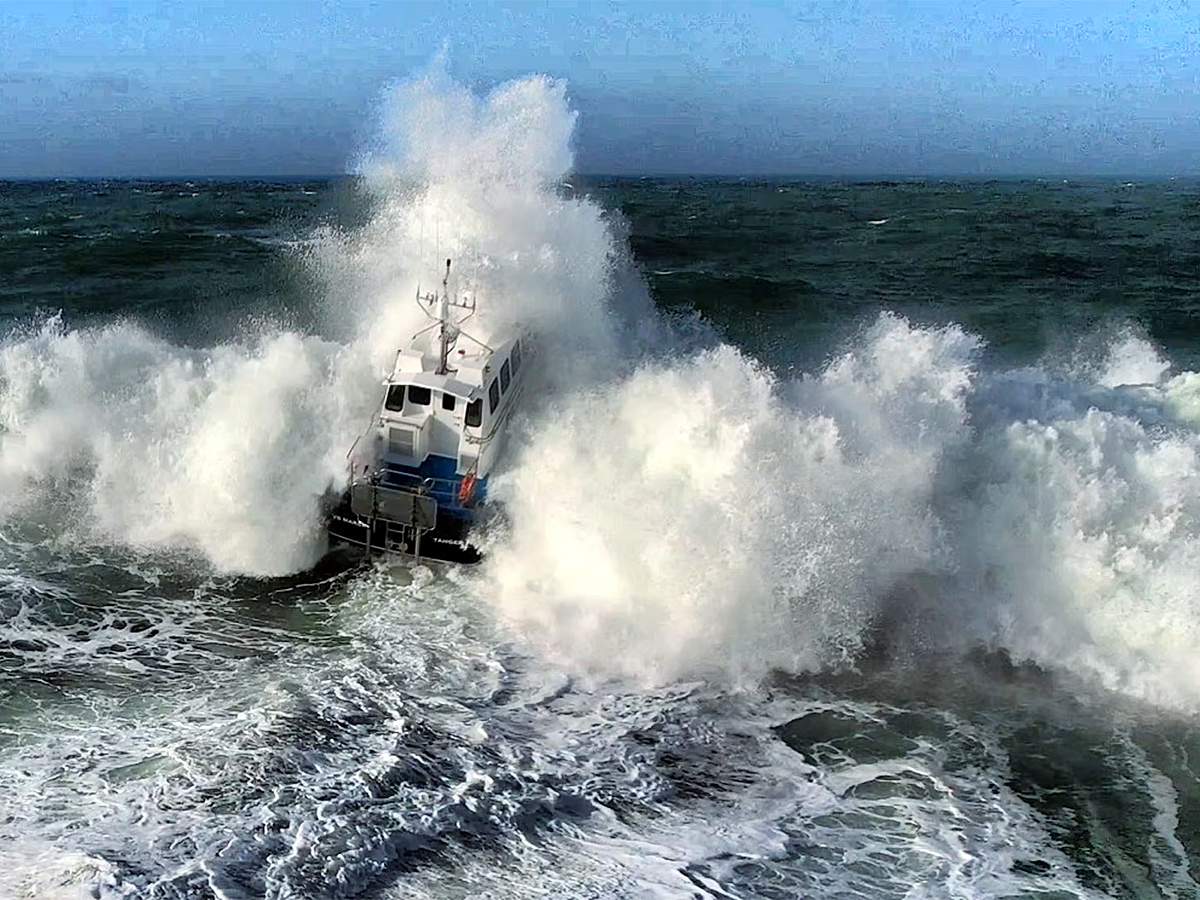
(445, 490)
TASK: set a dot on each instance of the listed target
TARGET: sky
(750, 88)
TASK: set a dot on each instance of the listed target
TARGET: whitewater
(743, 629)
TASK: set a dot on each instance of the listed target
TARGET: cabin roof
(447, 384)
(470, 367)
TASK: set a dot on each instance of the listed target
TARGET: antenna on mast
(443, 313)
(448, 330)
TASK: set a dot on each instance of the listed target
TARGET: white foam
(1132, 360)
(477, 180)
(55, 875)
(669, 513)
(691, 518)
(228, 450)
(1080, 540)
(1167, 855)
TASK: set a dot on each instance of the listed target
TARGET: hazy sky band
(749, 88)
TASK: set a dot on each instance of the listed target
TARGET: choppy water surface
(849, 548)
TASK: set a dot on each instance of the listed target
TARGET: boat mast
(443, 313)
(437, 307)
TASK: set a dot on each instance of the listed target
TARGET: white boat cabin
(455, 414)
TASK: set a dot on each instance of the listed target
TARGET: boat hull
(379, 520)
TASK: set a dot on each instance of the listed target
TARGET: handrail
(431, 482)
(444, 490)
(418, 481)
(370, 425)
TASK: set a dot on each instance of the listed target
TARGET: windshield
(395, 398)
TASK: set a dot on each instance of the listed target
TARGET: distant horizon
(865, 177)
(928, 90)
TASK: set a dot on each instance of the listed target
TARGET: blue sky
(746, 88)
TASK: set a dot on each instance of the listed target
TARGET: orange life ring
(466, 488)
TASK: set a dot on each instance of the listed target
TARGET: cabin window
(516, 357)
(475, 413)
(395, 398)
(504, 377)
(419, 395)
(448, 402)
(493, 395)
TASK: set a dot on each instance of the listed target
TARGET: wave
(703, 517)
(228, 450)
(119, 436)
(673, 508)
(696, 516)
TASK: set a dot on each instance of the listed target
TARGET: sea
(847, 544)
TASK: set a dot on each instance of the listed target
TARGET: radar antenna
(448, 329)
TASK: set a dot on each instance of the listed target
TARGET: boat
(418, 476)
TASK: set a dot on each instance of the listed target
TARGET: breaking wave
(673, 508)
(228, 450)
(703, 516)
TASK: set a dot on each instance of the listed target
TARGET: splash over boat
(418, 475)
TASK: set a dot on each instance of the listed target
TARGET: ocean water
(848, 545)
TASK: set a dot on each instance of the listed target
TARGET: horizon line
(864, 177)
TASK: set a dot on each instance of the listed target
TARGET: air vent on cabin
(401, 441)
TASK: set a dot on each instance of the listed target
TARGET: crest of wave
(699, 518)
(1079, 542)
(228, 450)
(478, 180)
(120, 436)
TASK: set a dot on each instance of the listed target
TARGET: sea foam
(698, 515)
(672, 507)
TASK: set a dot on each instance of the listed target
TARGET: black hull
(445, 542)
